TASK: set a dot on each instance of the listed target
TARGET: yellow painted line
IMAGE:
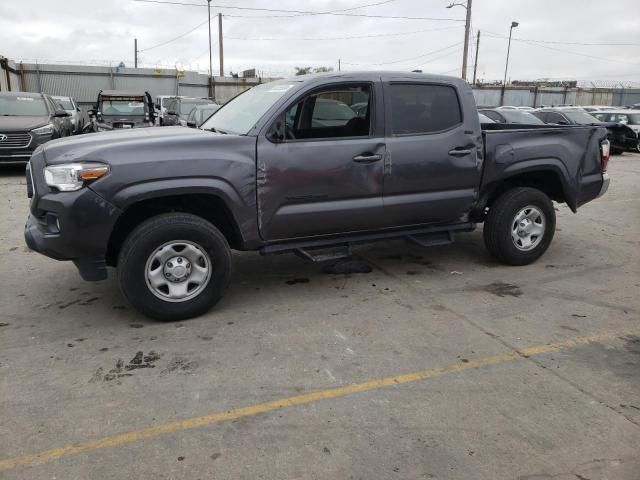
(189, 423)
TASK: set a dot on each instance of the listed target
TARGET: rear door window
(423, 108)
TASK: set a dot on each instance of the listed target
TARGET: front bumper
(70, 226)
(21, 155)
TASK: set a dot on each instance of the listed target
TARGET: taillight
(605, 149)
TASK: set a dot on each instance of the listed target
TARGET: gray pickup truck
(289, 166)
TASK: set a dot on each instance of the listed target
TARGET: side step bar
(424, 237)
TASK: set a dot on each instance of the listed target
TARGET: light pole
(467, 25)
(506, 64)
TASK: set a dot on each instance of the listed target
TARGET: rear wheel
(520, 226)
(174, 266)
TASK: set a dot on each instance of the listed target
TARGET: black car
(26, 121)
(622, 137)
(179, 108)
(511, 116)
(121, 109)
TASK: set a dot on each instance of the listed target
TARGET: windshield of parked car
(22, 107)
(581, 118)
(520, 116)
(65, 102)
(122, 106)
(241, 113)
(186, 105)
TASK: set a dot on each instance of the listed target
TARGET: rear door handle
(460, 152)
(367, 158)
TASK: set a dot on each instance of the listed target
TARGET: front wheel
(174, 266)
(520, 226)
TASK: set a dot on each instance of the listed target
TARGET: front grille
(15, 140)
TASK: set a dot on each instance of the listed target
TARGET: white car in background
(71, 106)
(161, 103)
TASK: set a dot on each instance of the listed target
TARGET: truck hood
(136, 146)
(21, 124)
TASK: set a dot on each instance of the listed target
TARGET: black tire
(147, 238)
(501, 220)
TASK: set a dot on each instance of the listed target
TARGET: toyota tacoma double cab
(288, 166)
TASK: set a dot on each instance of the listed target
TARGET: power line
(176, 38)
(299, 12)
(407, 59)
(351, 37)
(566, 43)
(536, 44)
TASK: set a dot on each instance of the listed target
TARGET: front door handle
(367, 157)
(460, 152)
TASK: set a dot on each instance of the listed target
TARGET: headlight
(46, 130)
(73, 176)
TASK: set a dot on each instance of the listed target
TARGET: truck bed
(572, 152)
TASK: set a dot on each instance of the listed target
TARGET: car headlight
(70, 177)
(46, 130)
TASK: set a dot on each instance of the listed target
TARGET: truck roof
(385, 75)
(122, 93)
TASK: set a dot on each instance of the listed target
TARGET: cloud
(102, 32)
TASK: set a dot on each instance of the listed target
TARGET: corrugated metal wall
(530, 97)
(9, 80)
(84, 82)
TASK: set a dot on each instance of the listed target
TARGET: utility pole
(467, 26)
(220, 43)
(475, 64)
(135, 52)
(210, 54)
(338, 64)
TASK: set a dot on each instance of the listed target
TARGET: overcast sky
(100, 32)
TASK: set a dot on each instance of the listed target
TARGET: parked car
(28, 120)
(71, 106)
(630, 118)
(509, 107)
(512, 116)
(594, 108)
(166, 206)
(484, 119)
(200, 113)
(178, 110)
(117, 109)
(360, 109)
(621, 136)
(161, 105)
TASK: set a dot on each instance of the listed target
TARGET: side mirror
(60, 114)
(91, 112)
(563, 122)
(171, 112)
(191, 124)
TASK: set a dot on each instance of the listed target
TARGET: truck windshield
(22, 107)
(122, 106)
(65, 102)
(187, 105)
(240, 114)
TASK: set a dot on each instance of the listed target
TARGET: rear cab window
(420, 108)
